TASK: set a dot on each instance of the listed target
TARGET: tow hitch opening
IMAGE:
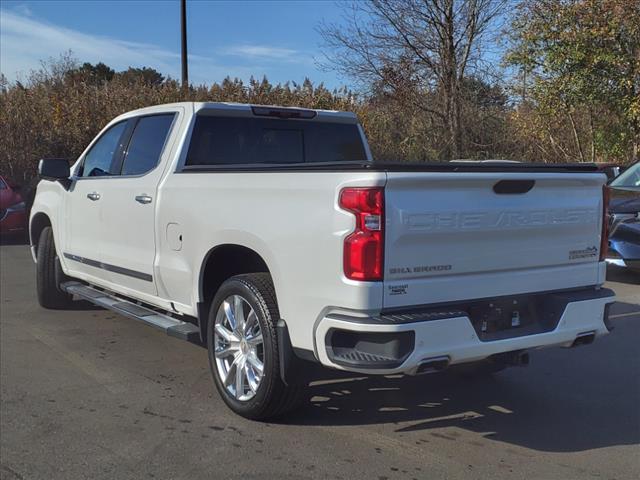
(517, 358)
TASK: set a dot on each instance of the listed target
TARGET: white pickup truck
(271, 236)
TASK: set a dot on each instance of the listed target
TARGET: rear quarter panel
(291, 219)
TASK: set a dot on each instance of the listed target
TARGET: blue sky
(235, 38)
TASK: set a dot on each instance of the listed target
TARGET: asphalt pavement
(88, 394)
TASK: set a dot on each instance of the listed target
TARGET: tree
(144, 75)
(582, 62)
(418, 50)
(92, 74)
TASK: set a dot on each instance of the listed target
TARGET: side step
(171, 326)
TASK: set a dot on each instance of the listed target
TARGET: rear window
(245, 140)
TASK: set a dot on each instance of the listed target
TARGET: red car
(13, 211)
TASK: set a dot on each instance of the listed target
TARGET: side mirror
(55, 169)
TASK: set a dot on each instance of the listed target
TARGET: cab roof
(250, 110)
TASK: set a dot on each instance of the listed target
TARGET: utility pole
(183, 35)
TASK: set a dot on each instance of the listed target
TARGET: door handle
(144, 199)
(93, 196)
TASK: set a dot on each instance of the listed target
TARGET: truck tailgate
(457, 235)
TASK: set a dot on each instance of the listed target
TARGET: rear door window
(245, 141)
(146, 144)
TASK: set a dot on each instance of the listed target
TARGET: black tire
(49, 274)
(273, 397)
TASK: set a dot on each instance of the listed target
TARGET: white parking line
(628, 314)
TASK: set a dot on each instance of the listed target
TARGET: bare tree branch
(421, 50)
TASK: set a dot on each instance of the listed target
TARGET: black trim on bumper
(366, 350)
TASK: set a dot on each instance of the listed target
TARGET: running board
(171, 326)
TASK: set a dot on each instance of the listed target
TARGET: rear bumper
(451, 340)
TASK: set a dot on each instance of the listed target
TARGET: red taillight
(364, 248)
(604, 237)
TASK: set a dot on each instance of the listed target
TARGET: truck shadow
(566, 401)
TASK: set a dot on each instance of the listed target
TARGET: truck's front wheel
(243, 348)
(49, 274)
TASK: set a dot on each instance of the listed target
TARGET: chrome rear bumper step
(171, 326)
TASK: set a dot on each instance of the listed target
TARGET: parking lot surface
(88, 394)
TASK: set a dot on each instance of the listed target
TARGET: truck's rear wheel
(49, 274)
(243, 348)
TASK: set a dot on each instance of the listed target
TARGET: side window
(3, 186)
(99, 158)
(146, 144)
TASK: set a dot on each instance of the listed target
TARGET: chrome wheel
(238, 347)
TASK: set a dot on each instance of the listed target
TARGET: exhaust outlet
(584, 339)
(432, 365)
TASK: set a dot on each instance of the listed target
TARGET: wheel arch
(38, 223)
(219, 264)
